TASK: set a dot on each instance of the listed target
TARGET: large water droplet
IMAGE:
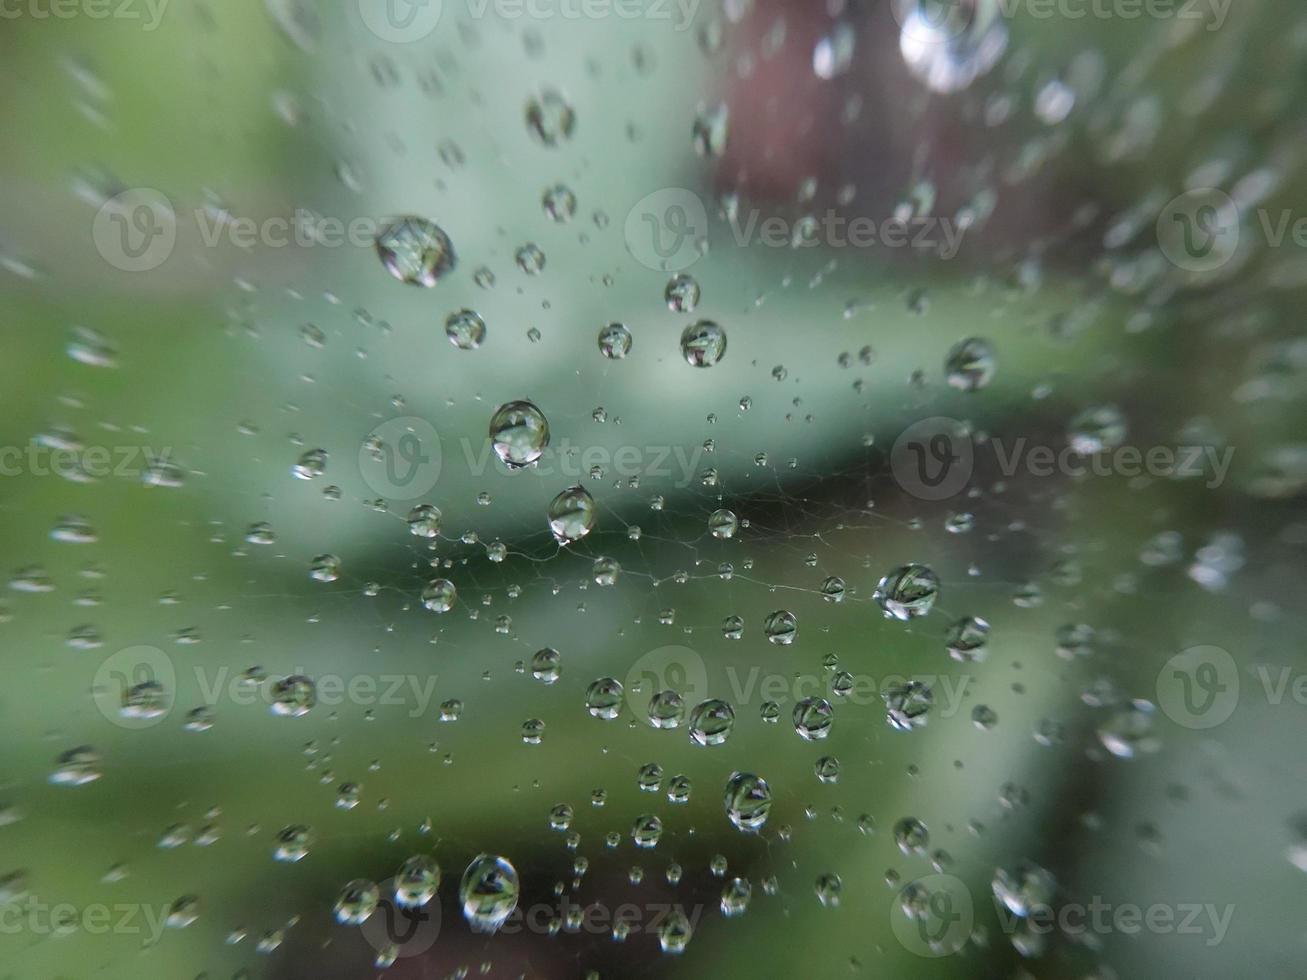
(571, 515)
(907, 592)
(703, 344)
(416, 251)
(519, 433)
(711, 722)
(747, 801)
(489, 892)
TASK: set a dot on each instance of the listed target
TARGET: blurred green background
(261, 110)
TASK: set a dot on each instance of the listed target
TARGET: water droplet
(533, 731)
(519, 433)
(76, 767)
(710, 130)
(666, 710)
(1097, 430)
(489, 892)
(984, 717)
(615, 341)
(1129, 731)
(907, 592)
(546, 665)
(465, 329)
(711, 722)
(911, 835)
(424, 521)
(722, 524)
(571, 515)
(834, 52)
(735, 897)
(357, 901)
(967, 638)
(311, 465)
(813, 718)
(606, 571)
(828, 890)
(183, 912)
(703, 344)
(530, 259)
(907, 705)
(559, 203)
(747, 801)
(293, 696)
(675, 931)
(970, 365)
(949, 45)
(415, 251)
(646, 831)
(682, 293)
(293, 843)
(549, 118)
(603, 699)
(1024, 889)
(781, 627)
(439, 595)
